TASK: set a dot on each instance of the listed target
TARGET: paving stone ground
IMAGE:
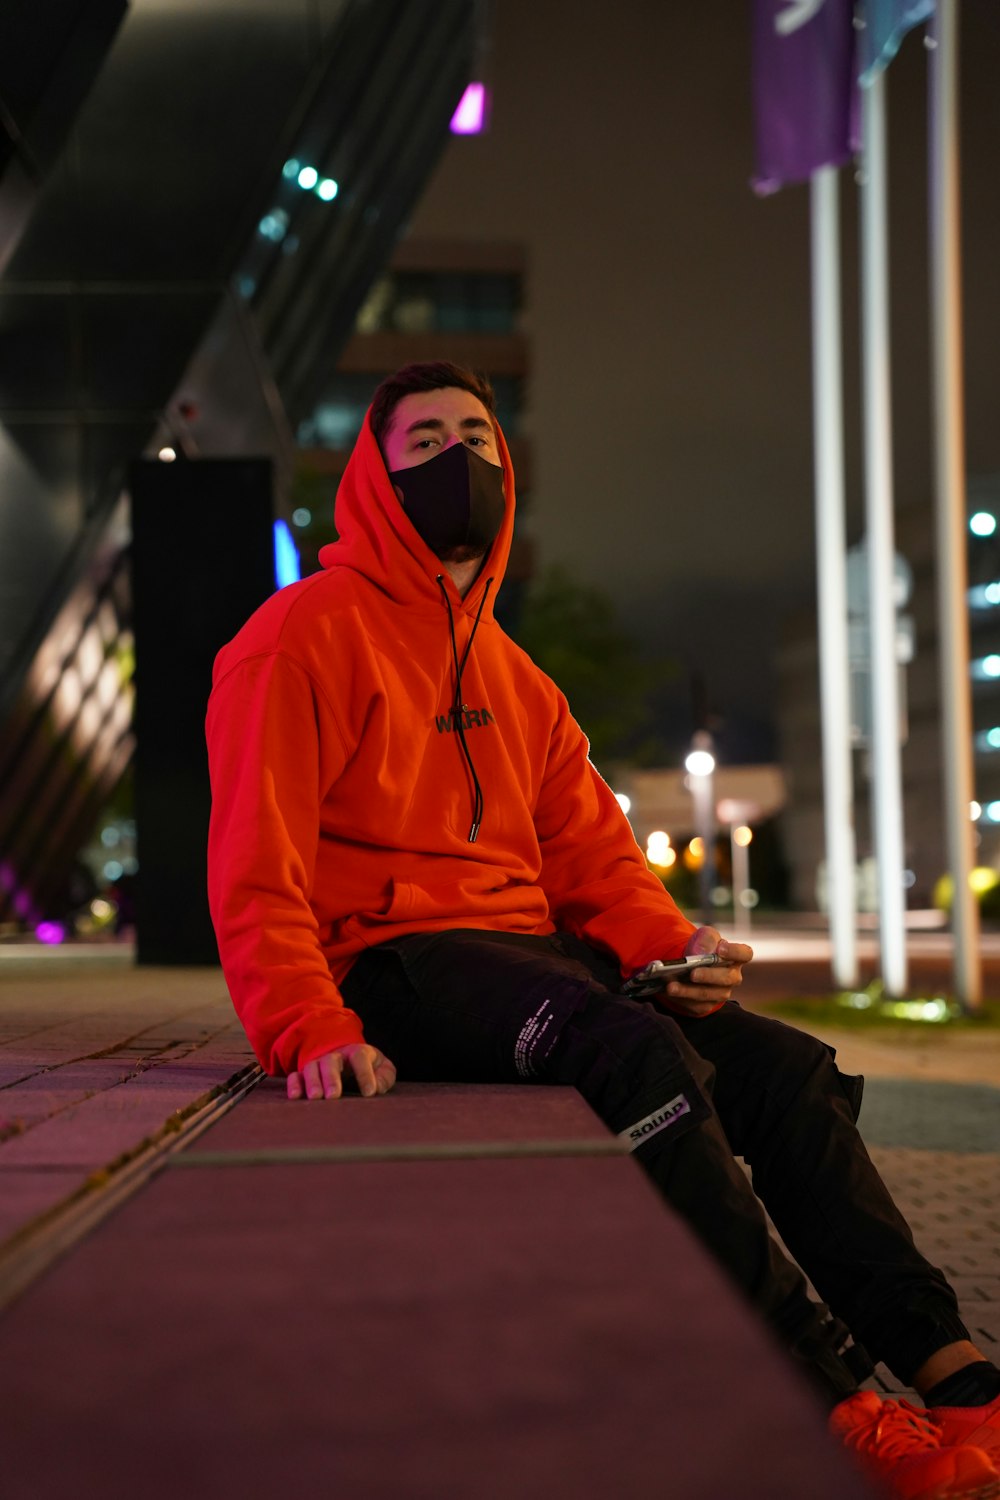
(936, 1142)
(96, 1055)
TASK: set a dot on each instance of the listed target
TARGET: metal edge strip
(34, 1247)
(431, 1151)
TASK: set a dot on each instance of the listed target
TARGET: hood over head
(377, 539)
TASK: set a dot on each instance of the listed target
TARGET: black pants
(687, 1096)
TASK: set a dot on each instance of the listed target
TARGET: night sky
(669, 317)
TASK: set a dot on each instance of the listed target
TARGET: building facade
(799, 727)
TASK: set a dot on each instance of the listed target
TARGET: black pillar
(202, 561)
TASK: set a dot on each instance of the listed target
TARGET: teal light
(273, 226)
(286, 556)
(327, 189)
(308, 178)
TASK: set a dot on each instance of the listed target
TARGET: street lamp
(740, 838)
(700, 765)
(658, 851)
(739, 813)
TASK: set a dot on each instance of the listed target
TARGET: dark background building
(220, 224)
(196, 201)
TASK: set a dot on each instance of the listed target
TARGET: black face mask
(454, 501)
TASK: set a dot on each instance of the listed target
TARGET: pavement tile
(24, 1195)
(968, 1230)
(44, 1094)
(101, 1128)
(167, 1037)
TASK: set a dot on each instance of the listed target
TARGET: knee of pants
(805, 1072)
(634, 1067)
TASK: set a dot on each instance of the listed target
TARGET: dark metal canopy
(170, 237)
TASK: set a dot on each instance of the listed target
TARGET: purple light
(470, 116)
(50, 932)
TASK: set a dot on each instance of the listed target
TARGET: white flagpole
(950, 498)
(886, 777)
(831, 573)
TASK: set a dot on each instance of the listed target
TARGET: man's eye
(481, 440)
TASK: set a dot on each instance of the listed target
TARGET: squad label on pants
(637, 1134)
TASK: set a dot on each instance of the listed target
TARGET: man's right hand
(323, 1078)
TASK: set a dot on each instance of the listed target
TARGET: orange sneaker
(899, 1445)
(978, 1426)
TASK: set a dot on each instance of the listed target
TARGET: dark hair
(428, 375)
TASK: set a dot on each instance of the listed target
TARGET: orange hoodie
(342, 802)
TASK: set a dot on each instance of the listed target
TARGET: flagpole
(950, 499)
(831, 573)
(886, 778)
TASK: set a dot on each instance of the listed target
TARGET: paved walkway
(98, 1057)
(931, 1119)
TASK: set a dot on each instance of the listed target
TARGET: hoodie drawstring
(459, 706)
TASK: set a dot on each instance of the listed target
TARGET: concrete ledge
(433, 1329)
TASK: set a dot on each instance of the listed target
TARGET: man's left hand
(704, 990)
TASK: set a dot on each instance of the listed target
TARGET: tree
(571, 630)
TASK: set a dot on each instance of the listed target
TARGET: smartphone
(657, 975)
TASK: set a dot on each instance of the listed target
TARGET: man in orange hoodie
(413, 864)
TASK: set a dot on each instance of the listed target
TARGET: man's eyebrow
(436, 424)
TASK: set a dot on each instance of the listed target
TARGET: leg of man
(785, 1109)
(486, 1006)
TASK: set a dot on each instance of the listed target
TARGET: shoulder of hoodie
(286, 622)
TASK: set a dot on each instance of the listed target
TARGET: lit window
(984, 595)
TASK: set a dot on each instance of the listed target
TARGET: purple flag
(804, 73)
